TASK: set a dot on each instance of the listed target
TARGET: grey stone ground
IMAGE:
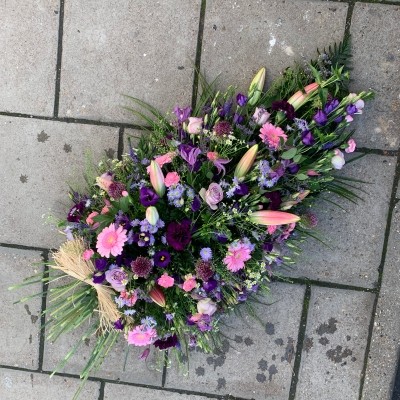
(333, 332)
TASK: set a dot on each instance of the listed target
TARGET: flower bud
(268, 217)
(157, 295)
(299, 98)
(152, 215)
(256, 87)
(157, 178)
(246, 162)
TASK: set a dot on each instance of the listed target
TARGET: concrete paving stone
(241, 36)
(113, 392)
(257, 362)
(24, 385)
(28, 70)
(334, 346)
(37, 159)
(19, 341)
(114, 48)
(376, 61)
(135, 370)
(355, 235)
(385, 345)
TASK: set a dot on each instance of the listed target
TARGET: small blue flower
(206, 254)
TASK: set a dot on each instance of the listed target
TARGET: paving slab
(385, 344)
(376, 61)
(257, 362)
(112, 392)
(28, 70)
(114, 367)
(115, 48)
(356, 234)
(24, 385)
(19, 341)
(241, 36)
(37, 159)
(334, 346)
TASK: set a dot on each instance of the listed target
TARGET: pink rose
(172, 178)
(352, 146)
(213, 195)
(189, 284)
(87, 254)
(206, 306)
(195, 125)
(166, 281)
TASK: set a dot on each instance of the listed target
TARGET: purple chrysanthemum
(141, 266)
(179, 234)
(162, 258)
(147, 197)
(206, 254)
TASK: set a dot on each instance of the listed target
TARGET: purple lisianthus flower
(210, 285)
(275, 200)
(330, 106)
(351, 109)
(147, 197)
(98, 277)
(238, 119)
(118, 325)
(307, 138)
(117, 278)
(338, 119)
(241, 99)
(75, 213)
(179, 234)
(225, 109)
(221, 238)
(101, 264)
(189, 153)
(182, 113)
(242, 190)
(170, 341)
(286, 107)
(320, 118)
(162, 258)
(293, 168)
(196, 204)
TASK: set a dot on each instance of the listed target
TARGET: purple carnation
(179, 234)
(286, 107)
(171, 341)
(320, 118)
(147, 197)
(275, 200)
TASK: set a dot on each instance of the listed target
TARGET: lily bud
(152, 215)
(256, 87)
(300, 97)
(157, 178)
(268, 217)
(157, 295)
(246, 162)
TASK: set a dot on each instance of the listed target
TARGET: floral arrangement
(198, 216)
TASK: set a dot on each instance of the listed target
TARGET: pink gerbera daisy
(111, 241)
(142, 335)
(271, 135)
(238, 254)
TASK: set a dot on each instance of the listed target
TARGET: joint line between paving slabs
(120, 147)
(300, 341)
(59, 59)
(101, 390)
(42, 336)
(349, 15)
(392, 204)
(197, 63)
(22, 247)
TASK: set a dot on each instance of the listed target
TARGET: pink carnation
(111, 241)
(142, 336)
(352, 146)
(189, 284)
(271, 135)
(238, 254)
(89, 220)
(172, 178)
(164, 159)
(87, 254)
(166, 281)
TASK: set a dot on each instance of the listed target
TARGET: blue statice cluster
(265, 180)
